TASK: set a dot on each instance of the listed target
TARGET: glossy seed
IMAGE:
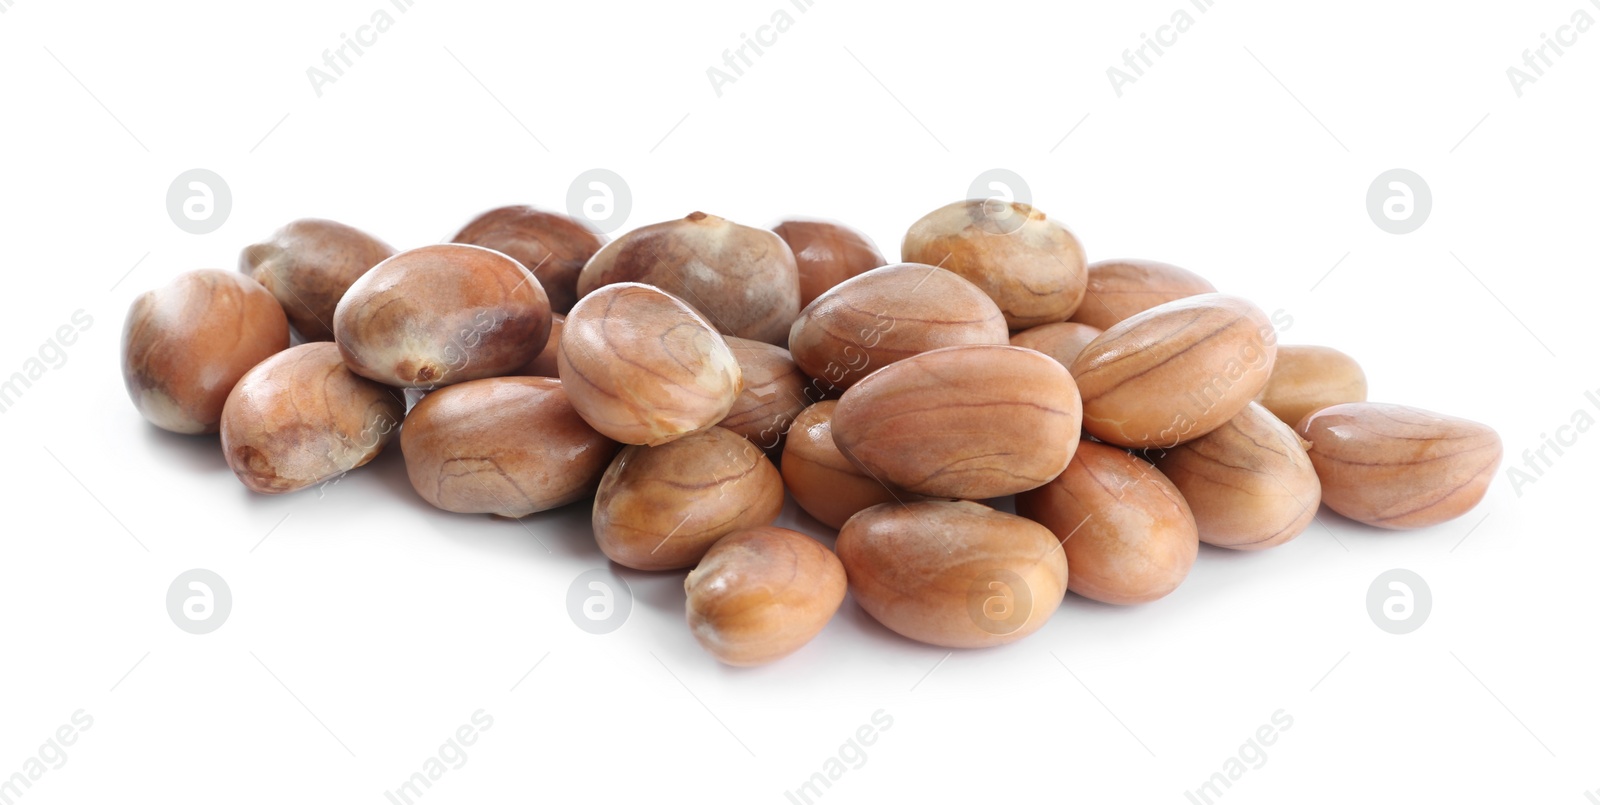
(1032, 266)
(1122, 288)
(1175, 372)
(308, 265)
(1394, 466)
(662, 508)
(953, 573)
(889, 314)
(302, 417)
(1128, 533)
(1249, 483)
(442, 314)
(186, 344)
(971, 422)
(642, 367)
(510, 446)
(760, 594)
(1308, 378)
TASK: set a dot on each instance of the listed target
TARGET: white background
(367, 627)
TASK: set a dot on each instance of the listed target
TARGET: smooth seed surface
(742, 279)
(889, 314)
(510, 446)
(826, 253)
(760, 594)
(1063, 340)
(1031, 266)
(308, 265)
(1128, 533)
(302, 417)
(662, 508)
(1394, 466)
(552, 245)
(442, 314)
(643, 367)
(1249, 483)
(970, 422)
(953, 573)
(1176, 371)
(1122, 288)
(823, 482)
(775, 392)
(185, 345)
(1309, 378)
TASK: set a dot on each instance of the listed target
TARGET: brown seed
(826, 253)
(774, 393)
(1175, 372)
(1063, 340)
(743, 279)
(820, 478)
(1122, 288)
(1307, 378)
(953, 573)
(760, 594)
(962, 422)
(186, 344)
(1031, 266)
(889, 314)
(302, 417)
(1249, 483)
(642, 367)
(662, 508)
(1128, 534)
(442, 314)
(1394, 466)
(308, 265)
(510, 446)
(553, 246)
(544, 364)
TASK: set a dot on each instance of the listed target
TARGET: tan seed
(302, 417)
(510, 446)
(1394, 466)
(1122, 288)
(308, 265)
(1176, 371)
(823, 482)
(970, 422)
(744, 280)
(1308, 378)
(552, 245)
(642, 367)
(1062, 340)
(442, 314)
(1249, 483)
(775, 392)
(1128, 533)
(889, 314)
(662, 508)
(760, 594)
(186, 344)
(1031, 266)
(826, 253)
(953, 573)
